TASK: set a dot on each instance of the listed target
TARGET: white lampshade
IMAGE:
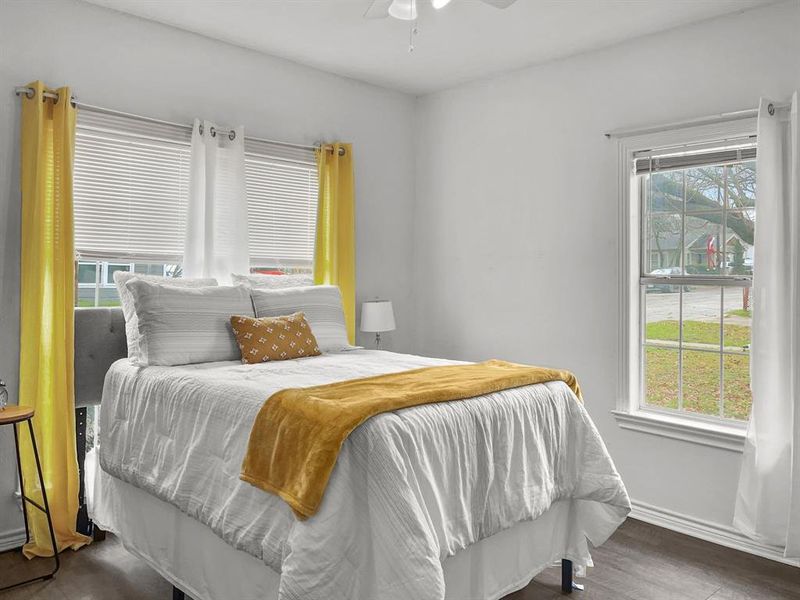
(405, 10)
(377, 316)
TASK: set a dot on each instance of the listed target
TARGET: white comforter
(410, 488)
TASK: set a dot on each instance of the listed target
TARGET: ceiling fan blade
(499, 3)
(378, 9)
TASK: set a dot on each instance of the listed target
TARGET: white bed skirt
(192, 557)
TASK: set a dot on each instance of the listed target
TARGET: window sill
(717, 435)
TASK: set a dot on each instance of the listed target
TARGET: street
(699, 304)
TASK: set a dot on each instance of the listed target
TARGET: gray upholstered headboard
(99, 341)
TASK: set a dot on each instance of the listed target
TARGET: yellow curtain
(334, 255)
(47, 315)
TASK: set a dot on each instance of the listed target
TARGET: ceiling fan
(406, 10)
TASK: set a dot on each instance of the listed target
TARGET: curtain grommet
(231, 135)
(213, 131)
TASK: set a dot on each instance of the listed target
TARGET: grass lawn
(699, 332)
(701, 388)
(83, 303)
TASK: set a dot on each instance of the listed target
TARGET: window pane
(661, 377)
(738, 398)
(740, 226)
(662, 316)
(662, 313)
(701, 371)
(738, 319)
(149, 269)
(705, 189)
(742, 185)
(665, 192)
(173, 270)
(87, 273)
(662, 251)
(702, 240)
(92, 296)
(112, 268)
(701, 318)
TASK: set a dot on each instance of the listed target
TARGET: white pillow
(181, 325)
(126, 299)
(322, 305)
(273, 282)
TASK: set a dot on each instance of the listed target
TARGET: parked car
(665, 287)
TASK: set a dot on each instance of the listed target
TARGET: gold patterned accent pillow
(274, 338)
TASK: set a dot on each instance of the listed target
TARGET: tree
(705, 188)
(663, 226)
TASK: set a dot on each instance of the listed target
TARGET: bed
(458, 500)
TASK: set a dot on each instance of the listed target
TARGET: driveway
(699, 304)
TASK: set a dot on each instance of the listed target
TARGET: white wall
(122, 62)
(516, 227)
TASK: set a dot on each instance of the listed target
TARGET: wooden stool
(13, 415)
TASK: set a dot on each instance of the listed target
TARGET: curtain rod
(720, 118)
(27, 91)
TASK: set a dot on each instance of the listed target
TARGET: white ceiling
(466, 40)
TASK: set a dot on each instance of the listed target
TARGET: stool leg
(44, 499)
(21, 485)
(44, 507)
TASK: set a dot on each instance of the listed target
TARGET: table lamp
(377, 316)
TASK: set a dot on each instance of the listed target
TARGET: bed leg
(177, 594)
(566, 576)
(98, 535)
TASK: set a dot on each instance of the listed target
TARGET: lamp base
(377, 341)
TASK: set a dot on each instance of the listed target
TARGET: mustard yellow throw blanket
(297, 434)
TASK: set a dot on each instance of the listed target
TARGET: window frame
(629, 412)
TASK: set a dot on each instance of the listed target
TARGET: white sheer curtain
(768, 500)
(216, 218)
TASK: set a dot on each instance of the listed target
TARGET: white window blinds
(670, 159)
(131, 183)
(282, 186)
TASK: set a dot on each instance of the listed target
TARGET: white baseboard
(12, 539)
(709, 531)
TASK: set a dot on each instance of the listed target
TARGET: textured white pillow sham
(183, 325)
(273, 282)
(322, 305)
(128, 310)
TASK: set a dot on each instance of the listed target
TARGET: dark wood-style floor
(640, 562)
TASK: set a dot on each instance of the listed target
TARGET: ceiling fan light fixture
(405, 10)
(439, 4)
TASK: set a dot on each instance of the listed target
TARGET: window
(130, 187)
(96, 285)
(282, 185)
(697, 219)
